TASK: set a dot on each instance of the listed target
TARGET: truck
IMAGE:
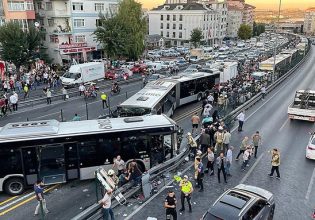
(303, 106)
(83, 73)
(196, 55)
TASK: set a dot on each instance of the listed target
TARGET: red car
(118, 73)
(139, 68)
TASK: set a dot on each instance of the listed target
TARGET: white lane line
(310, 185)
(43, 116)
(251, 169)
(16, 201)
(160, 191)
(284, 124)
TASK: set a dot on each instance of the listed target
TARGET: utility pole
(276, 45)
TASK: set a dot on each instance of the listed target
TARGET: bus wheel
(14, 186)
(199, 97)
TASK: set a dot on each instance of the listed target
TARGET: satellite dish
(36, 24)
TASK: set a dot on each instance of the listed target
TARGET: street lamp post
(276, 45)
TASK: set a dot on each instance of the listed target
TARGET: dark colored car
(243, 202)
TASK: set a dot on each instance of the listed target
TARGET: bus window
(88, 154)
(10, 161)
(187, 88)
(71, 157)
(169, 101)
(201, 85)
(109, 148)
(134, 147)
(157, 150)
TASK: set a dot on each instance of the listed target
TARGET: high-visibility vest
(103, 96)
(186, 188)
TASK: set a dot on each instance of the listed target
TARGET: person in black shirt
(170, 205)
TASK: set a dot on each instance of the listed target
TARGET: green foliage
(258, 28)
(19, 46)
(196, 36)
(244, 32)
(123, 34)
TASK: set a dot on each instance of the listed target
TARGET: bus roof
(52, 128)
(150, 94)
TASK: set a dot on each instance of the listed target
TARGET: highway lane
(294, 193)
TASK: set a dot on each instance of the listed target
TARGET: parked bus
(60, 151)
(165, 95)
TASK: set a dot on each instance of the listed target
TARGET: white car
(310, 148)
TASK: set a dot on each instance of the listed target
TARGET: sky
(260, 4)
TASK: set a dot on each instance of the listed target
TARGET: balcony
(58, 13)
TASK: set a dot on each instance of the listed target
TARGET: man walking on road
(256, 141)
(275, 162)
(48, 96)
(39, 193)
(170, 205)
(229, 158)
(243, 146)
(107, 202)
(241, 119)
(221, 163)
(104, 100)
(14, 101)
(186, 191)
(200, 174)
(195, 120)
(81, 89)
(226, 140)
(210, 163)
(263, 92)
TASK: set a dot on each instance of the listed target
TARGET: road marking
(310, 185)
(284, 124)
(251, 169)
(43, 116)
(7, 200)
(22, 198)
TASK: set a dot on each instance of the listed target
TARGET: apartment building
(69, 27)
(175, 22)
(234, 21)
(247, 11)
(309, 21)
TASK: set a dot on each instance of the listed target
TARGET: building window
(174, 17)
(29, 6)
(79, 39)
(98, 22)
(167, 34)
(180, 35)
(174, 34)
(161, 17)
(161, 33)
(16, 6)
(174, 26)
(161, 26)
(50, 22)
(180, 27)
(48, 6)
(78, 23)
(77, 6)
(54, 39)
(167, 26)
(99, 7)
(180, 17)
(39, 5)
(167, 17)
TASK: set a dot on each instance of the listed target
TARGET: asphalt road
(294, 194)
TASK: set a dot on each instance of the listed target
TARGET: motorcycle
(88, 94)
(115, 91)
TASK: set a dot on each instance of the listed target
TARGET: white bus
(60, 151)
(165, 95)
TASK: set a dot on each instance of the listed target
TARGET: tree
(123, 34)
(258, 28)
(196, 36)
(244, 32)
(19, 46)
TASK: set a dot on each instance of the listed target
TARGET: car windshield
(132, 111)
(70, 75)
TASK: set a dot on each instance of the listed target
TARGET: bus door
(71, 160)
(30, 164)
(52, 168)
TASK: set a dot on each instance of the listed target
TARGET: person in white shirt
(210, 98)
(263, 92)
(81, 89)
(14, 101)
(241, 119)
(119, 164)
(246, 156)
(229, 159)
(206, 111)
(106, 204)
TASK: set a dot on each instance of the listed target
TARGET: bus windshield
(132, 111)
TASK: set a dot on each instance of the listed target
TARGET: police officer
(186, 191)
(104, 100)
(170, 205)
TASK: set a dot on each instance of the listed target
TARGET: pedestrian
(186, 190)
(14, 101)
(192, 144)
(275, 162)
(207, 121)
(207, 110)
(39, 193)
(210, 163)
(26, 91)
(226, 140)
(221, 164)
(219, 140)
(81, 89)
(106, 204)
(104, 100)
(111, 173)
(241, 119)
(48, 96)
(204, 141)
(119, 164)
(200, 174)
(76, 117)
(198, 155)
(229, 158)
(263, 92)
(246, 157)
(243, 146)
(256, 142)
(195, 120)
(64, 93)
(170, 205)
